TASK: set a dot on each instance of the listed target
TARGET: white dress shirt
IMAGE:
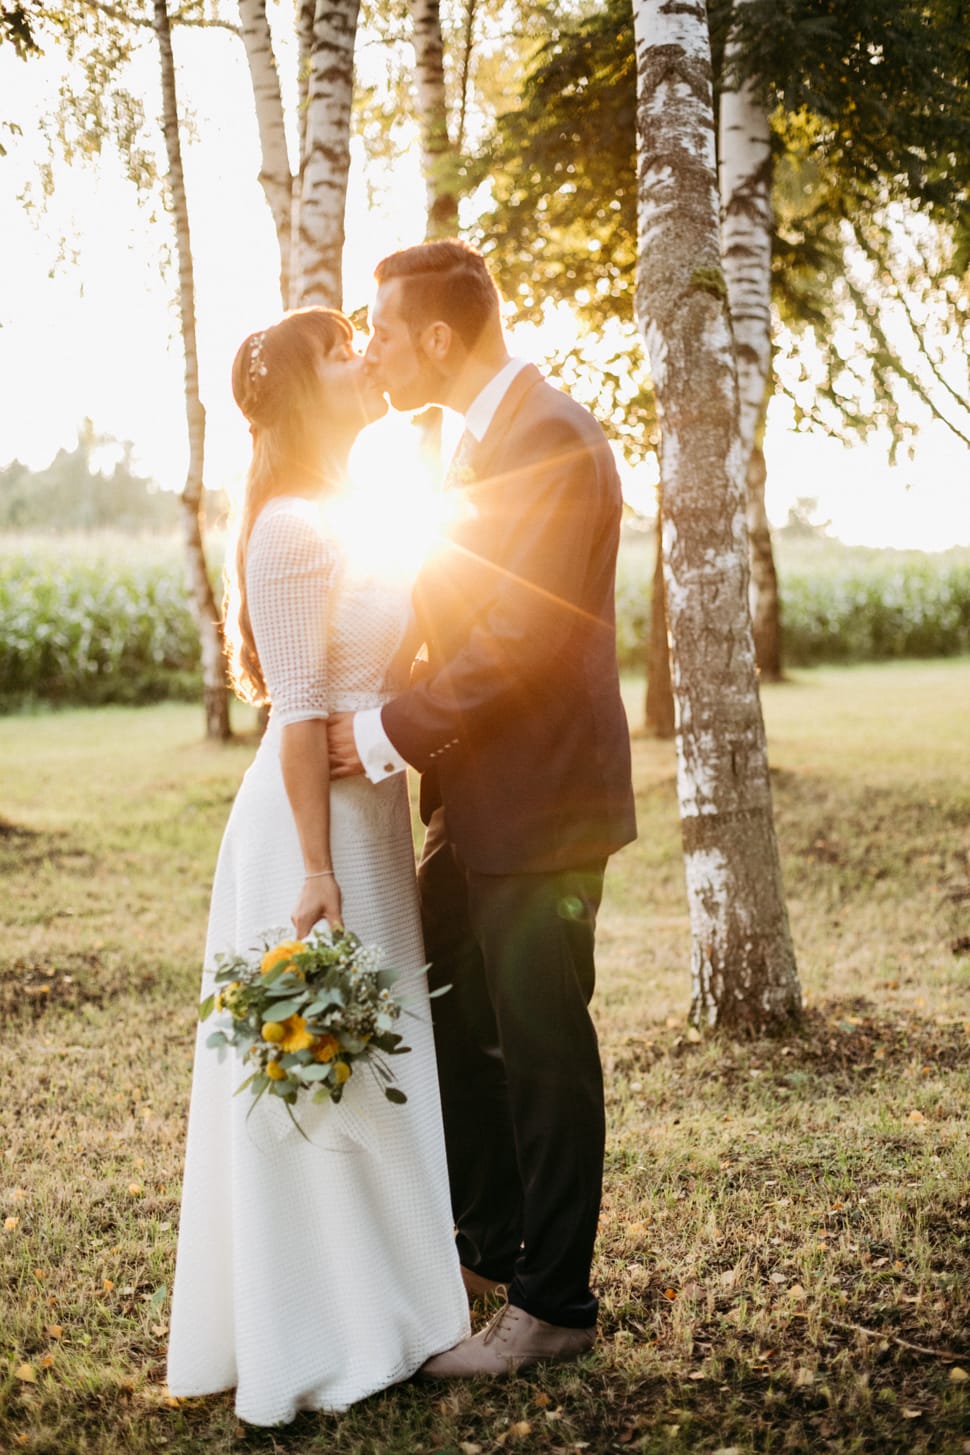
(374, 748)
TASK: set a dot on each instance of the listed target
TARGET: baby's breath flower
(335, 1012)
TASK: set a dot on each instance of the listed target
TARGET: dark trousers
(519, 1068)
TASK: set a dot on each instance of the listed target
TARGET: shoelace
(493, 1330)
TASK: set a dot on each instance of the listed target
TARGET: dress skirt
(311, 1274)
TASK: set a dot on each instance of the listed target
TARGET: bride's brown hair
(275, 384)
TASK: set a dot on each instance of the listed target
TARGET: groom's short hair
(445, 281)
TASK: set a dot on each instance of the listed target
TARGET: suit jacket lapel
(522, 385)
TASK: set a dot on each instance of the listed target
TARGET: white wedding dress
(311, 1274)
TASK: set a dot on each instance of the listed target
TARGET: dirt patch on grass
(29, 988)
(841, 1044)
(23, 848)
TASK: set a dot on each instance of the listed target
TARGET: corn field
(104, 618)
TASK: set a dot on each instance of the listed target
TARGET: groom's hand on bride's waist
(344, 762)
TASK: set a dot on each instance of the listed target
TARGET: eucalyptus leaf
(282, 1010)
(394, 1094)
(317, 1007)
(217, 1038)
(315, 1072)
(205, 1009)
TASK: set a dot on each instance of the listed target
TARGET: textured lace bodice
(326, 634)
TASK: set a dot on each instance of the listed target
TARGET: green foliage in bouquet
(305, 1013)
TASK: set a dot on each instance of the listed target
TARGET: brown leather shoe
(512, 1340)
(478, 1287)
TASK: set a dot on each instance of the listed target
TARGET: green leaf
(282, 1010)
(158, 1298)
(316, 1072)
(442, 990)
(319, 1007)
(393, 1094)
(257, 1075)
(217, 1039)
(324, 1094)
(353, 1044)
(205, 1008)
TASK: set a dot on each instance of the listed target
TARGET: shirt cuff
(374, 748)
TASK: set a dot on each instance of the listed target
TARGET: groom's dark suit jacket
(518, 728)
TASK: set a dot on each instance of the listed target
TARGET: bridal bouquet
(306, 1013)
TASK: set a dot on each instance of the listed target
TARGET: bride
(311, 1273)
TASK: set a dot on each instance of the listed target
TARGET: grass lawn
(784, 1259)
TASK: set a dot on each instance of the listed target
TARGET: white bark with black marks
(326, 163)
(437, 153)
(200, 590)
(742, 961)
(747, 223)
(275, 176)
(746, 229)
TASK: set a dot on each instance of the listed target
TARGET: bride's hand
(319, 899)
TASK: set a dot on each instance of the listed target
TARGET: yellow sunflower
(296, 1036)
(280, 953)
(326, 1048)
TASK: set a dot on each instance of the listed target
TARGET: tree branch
(112, 12)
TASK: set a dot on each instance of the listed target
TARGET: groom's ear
(437, 340)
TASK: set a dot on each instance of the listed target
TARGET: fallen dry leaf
(54, 1331)
(26, 1373)
(11, 1223)
(958, 1375)
(542, 1400)
(796, 1291)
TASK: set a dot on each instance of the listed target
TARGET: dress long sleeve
(289, 584)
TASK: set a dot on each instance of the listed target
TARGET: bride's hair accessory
(257, 366)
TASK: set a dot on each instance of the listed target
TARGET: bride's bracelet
(320, 874)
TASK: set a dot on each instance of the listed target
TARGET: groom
(519, 733)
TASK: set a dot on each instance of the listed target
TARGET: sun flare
(392, 510)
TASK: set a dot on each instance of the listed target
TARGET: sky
(95, 335)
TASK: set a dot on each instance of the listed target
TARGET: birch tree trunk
(659, 705)
(743, 971)
(764, 595)
(326, 162)
(746, 229)
(201, 595)
(437, 154)
(305, 12)
(276, 177)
